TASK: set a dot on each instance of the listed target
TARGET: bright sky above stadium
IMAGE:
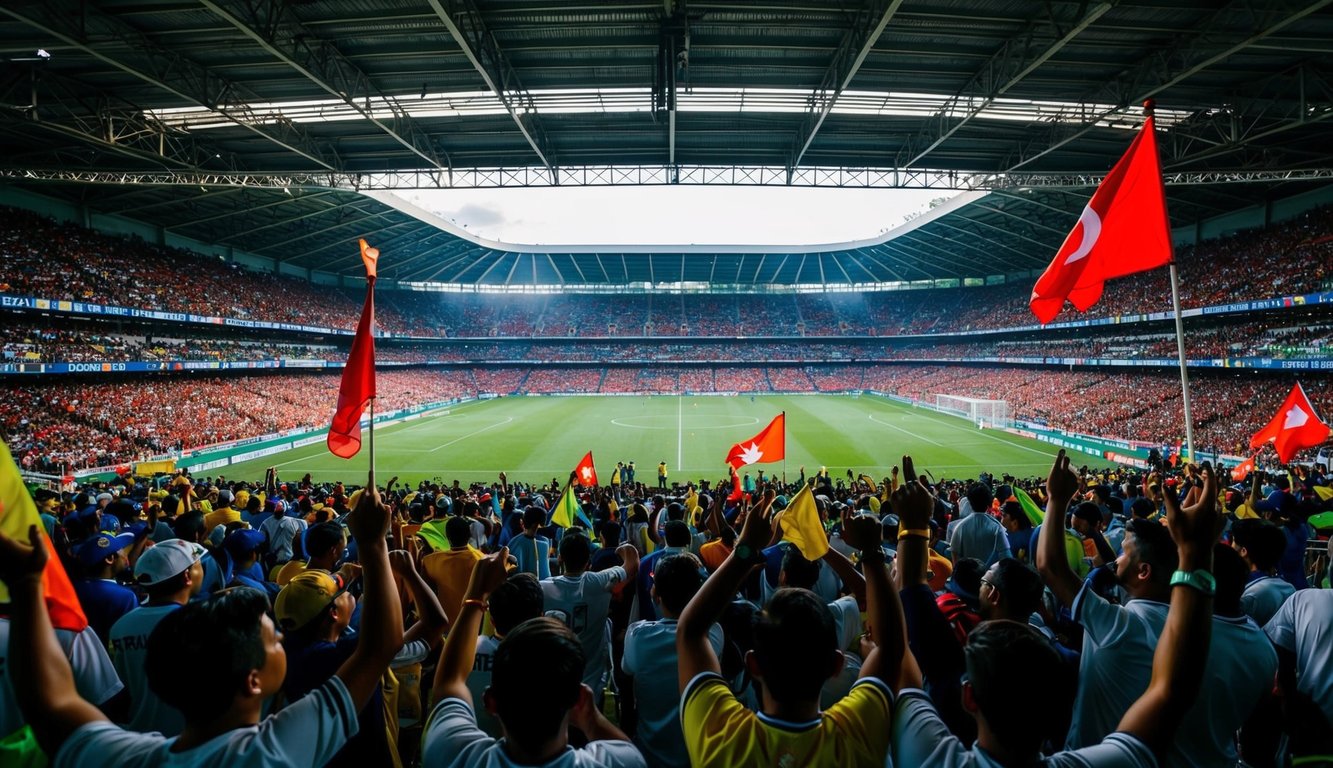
(676, 215)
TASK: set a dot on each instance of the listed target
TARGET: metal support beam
(463, 19)
(1017, 58)
(243, 209)
(867, 24)
(1214, 41)
(116, 43)
(272, 25)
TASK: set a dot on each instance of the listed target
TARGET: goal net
(992, 414)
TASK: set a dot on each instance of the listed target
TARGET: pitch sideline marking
(906, 432)
(621, 423)
(471, 434)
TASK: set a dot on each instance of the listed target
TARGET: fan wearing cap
(222, 513)
(215, 660)
(103, 557)
(242, 568)
(315, 609)
(170, 573)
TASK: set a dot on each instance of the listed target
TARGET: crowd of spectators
(1150, 618)
(62, 261)
(82, 424)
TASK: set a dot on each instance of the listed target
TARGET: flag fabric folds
(568, 509)
(767, 446)
(801, 525)
(585, 473)
(1242, 470)
(1294, 427)
(358, 381)
(18, 513)
(1123, 229)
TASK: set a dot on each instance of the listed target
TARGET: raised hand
(1197, 525)
(912, 503)
(758, 528)
(19, 560)
(1063, 482)
(488, 574)
(370, 519)
(862, 532)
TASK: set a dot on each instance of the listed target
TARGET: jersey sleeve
(608, 578)
(1119, 750)
(309, 731)
(1281, 629)
(920, 737)
(864, 717)
(104, 744)
(1105, 623)
(451, 733)
(629, 661)
(718, 729)
(95, 676)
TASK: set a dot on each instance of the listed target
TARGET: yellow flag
(1323, 492)
(801, 526)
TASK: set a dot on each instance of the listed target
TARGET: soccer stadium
(995, 332)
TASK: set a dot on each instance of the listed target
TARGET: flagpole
(371, 441)
(1149, 108)
(784, 448)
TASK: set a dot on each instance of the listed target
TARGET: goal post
(984, 413)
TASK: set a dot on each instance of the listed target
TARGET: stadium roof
(260, 123)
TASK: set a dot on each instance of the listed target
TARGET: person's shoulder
(106, 744)
(609, 753)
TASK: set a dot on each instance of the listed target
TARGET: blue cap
(101, 546)
(243, 542)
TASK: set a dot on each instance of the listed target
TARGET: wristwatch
(747, 554)
(1200, 580)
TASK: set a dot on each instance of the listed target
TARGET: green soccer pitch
(534, 439)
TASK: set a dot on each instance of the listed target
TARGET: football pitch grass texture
(534, 439)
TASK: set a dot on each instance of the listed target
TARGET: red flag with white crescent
(1123, 229)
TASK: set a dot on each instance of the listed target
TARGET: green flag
(568, 509)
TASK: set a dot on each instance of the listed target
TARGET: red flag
(585, 473)
(1294, 427)
(769, 445)
(736, 492)
(1243, 470)
(358, 382)
(18, 514)
(1123, 230)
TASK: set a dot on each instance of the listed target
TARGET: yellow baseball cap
(305, 597)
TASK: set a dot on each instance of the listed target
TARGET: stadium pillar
(1180, 351)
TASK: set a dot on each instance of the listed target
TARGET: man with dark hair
(1118, 641)
(171, 574)
(978, 535)
(531, 550)
(324, 545)
(581, 600)
(1260, 544)
(650, 660)
(535, 718)
(447, 572)
(795, 651)
(515, 601)
(103, 557)
(1017, 529)
(215, 660)
(1008, 664)
(677, 539)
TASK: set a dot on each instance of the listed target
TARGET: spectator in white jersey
(650, 660)
(979, 535)
(581, 600)
(1009, 665)
(171, 574)
(1261, 544)
(515, 601)
(535, 719)
(280, 531)
(235, 661)
(531, 550)
(1302, 632)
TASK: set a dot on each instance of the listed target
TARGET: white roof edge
(387, 197)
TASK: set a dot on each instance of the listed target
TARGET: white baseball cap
(161, 562)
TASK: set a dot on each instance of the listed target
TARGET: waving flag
(767, 446)
(568, 509)
(802, 527)
(358, 382)
(585, 473)
(1294, 427)
(1243, 470)
(17, 515)
(1123, 229)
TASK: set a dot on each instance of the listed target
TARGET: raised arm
(653, 535)
(381, 612)
(1182, 650)
(42, 678)
(694, 651)
(851, 578)
(883, 609)
(1052, 562)
(431, 621)
(460, 648)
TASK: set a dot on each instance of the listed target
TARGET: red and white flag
(1123, 230)
(1243, 470)
(768, 445)
(585, 473)
(358, 382)
(1294, 427)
